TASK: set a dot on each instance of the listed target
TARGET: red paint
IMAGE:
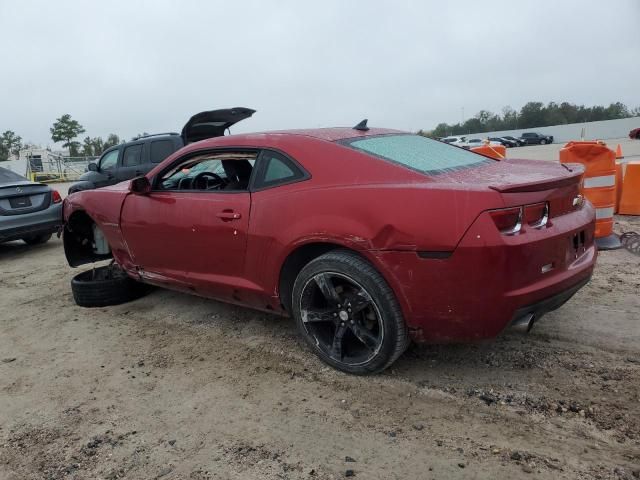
(386, 212)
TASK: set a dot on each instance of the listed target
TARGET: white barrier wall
(572, 131)
(18, 166)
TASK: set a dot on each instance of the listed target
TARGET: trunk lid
(513, 176)
(213, 123)
(522, 182)
(17, 198)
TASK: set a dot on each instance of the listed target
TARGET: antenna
(362, 126)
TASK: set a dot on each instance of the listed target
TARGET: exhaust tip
(524, 324)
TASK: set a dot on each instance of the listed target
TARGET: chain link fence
(56, 168)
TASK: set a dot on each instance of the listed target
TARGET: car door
(107, 167)
(131, 164)
(189, 239)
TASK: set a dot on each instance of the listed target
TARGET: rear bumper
(490, 280)
(526, 316)
(16, 227)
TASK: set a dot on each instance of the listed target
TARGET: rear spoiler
(575, 174)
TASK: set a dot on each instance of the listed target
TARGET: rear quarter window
(417, 152)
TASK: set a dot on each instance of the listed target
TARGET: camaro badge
(578, 201)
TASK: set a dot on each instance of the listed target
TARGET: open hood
(213, 123)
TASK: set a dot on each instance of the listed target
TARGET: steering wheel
(200, 181)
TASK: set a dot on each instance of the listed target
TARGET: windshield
(418, 153)
(7, 176)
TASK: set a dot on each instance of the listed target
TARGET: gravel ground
(177, 387)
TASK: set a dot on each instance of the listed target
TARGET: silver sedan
(29, 211)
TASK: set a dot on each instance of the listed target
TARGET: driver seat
(238, 173)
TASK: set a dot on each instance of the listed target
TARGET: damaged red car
(368, 238)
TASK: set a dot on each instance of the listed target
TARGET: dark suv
(533, 138)
(139, 156)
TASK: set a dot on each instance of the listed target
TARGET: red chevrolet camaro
(368, 238)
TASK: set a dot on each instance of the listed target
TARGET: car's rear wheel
(37, 239)
(104, 286)
(348, 314)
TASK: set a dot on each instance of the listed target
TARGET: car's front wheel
(37, 239)
(543, 142)
(348, 314)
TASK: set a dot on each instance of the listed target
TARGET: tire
(362, 334)
(543, 142)
(104, 286)
(37, 239)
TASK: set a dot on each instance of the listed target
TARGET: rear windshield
(7, 176)
(418, 153)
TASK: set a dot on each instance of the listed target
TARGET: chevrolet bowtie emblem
(578, 201)
(18, 190)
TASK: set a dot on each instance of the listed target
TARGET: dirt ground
(178, 387)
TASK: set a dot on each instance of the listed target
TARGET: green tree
(111, 141)
(65, 129)
(87, 147)
(10, 144)
(98, 145)
(532, 115)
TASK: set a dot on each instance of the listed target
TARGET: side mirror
(92, 167)
(140, 186)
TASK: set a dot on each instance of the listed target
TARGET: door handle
(229, 215)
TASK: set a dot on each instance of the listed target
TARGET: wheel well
(79, 241)
(296, 262)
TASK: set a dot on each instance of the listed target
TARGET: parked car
(457, 141)
(504, 141)
(634, 134)
(368, 238)
(533, 138)
(29, 211)
(478, 142)
(518, 141)
(139, 156)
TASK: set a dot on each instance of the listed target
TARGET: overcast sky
(133, 66)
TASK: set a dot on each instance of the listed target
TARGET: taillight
(508, 220)
(536, 215)
(55, 196)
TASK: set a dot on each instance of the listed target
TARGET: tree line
(532, 114)
(65, 129)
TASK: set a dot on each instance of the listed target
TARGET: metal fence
(57, 168)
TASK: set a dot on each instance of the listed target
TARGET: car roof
(258, 139)
(335, 134)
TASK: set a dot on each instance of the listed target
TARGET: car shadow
(18, 248)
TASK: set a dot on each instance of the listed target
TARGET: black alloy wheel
(348, 314)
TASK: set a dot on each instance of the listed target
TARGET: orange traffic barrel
(494, 151)
(630, 191)
(599, 184)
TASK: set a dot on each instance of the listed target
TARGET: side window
(132, 156)
(109, 161)
(277, 169)
(161, 149)
(215, 171)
